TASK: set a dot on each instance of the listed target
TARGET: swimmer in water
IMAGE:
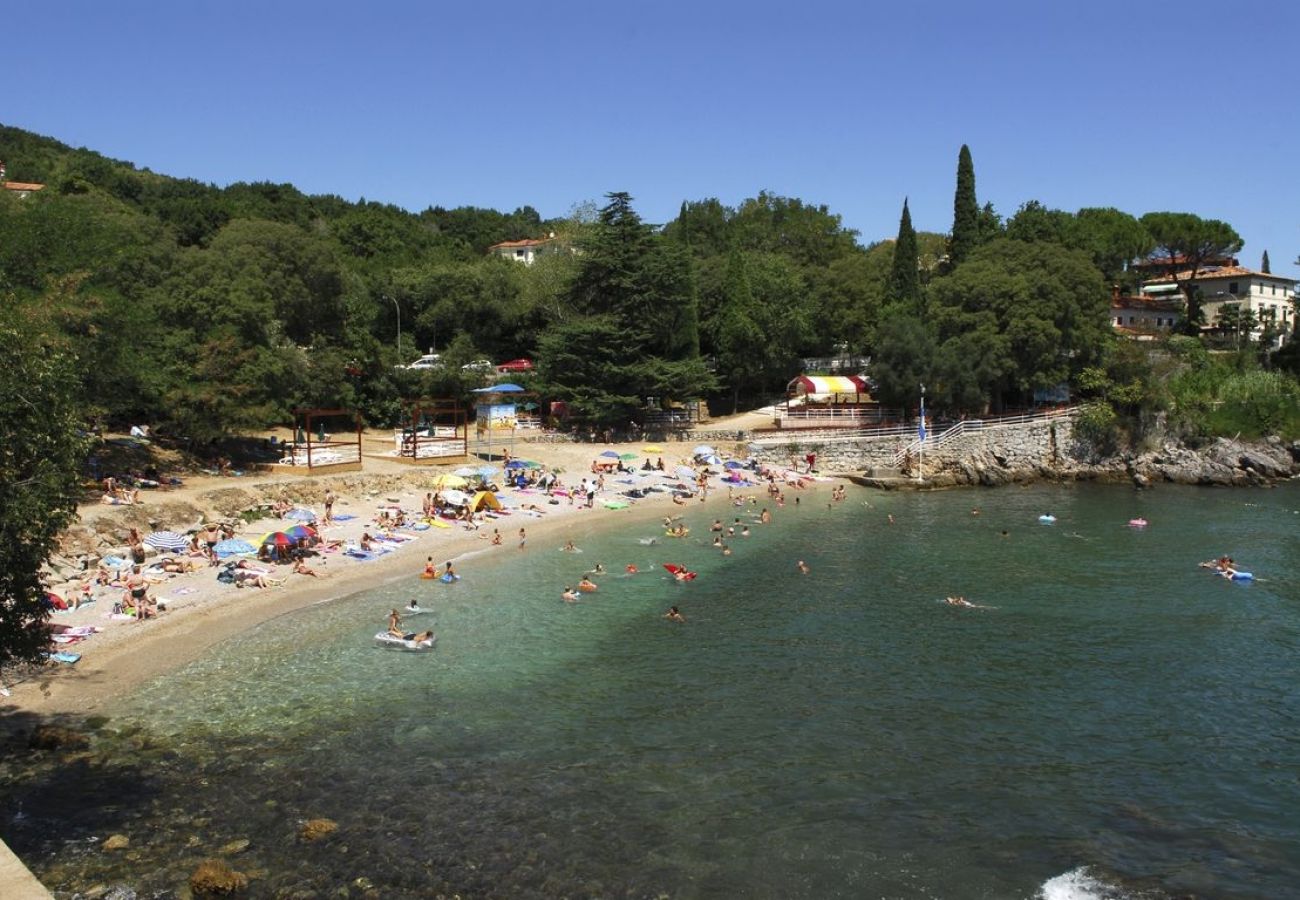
(674, 615)
(802, 567)
(569, 595)
(630, 569)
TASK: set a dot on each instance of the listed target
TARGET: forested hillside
(207, 310)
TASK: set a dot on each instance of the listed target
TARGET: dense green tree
(738, 333)
(904, 277)
(1035, 222)
(1184, 244)
(1043, 307)
(809, 235)
(42, 453)
(1264, 265)
(904, 359)
(644, 286)
(703, 226)
(1112, 238)
(965, 211)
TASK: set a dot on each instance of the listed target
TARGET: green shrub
(1098, 426)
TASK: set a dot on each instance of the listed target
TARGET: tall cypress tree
(904, 281)
(965, 210)
(1263, 264)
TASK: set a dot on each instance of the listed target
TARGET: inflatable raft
(392, 641)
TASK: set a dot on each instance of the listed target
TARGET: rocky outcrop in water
(215, 877)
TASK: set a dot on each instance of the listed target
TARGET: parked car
(428, 361)
(482, 366)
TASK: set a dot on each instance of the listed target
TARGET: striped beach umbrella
(277, 538)
(298, 532)
(301, 514)
(167, 540)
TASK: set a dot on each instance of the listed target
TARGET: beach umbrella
(447, 480)
(298, 532)
(652, 449)
(167, 540)
(466, 472)
(685, 473)
(732, 464)
(610, 454)
(530, 464)
(516, 464)
(278, 538)
(233, 547)
(301, 514)
(703, 450)
(626, 456)
(486, 471)
(712, 460)
(455, 498)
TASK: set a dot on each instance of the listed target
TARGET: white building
(528, 250)
(1269, 297)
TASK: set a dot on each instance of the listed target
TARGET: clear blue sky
(1146, 106)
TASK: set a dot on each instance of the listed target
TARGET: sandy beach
(201, 611)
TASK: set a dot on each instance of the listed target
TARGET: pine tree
(1263, 264)
(904, 280)
(965, 211)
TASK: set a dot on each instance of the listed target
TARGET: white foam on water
(1078, 885)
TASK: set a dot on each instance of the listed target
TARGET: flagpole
(920, 461)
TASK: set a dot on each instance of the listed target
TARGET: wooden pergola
(434, 431)
(315, 449)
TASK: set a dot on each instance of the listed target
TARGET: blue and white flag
(920, 431)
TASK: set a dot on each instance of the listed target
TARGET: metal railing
(973, 426)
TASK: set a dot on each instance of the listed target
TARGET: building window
(1232, 287)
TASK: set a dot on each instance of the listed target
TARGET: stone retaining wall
(1047, 450)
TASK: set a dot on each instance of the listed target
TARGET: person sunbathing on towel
(303, 569)
(245, 577)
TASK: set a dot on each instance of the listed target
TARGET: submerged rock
(233, 847)
(315, 829)
(116, 842)
(215, 876)
(54, 737)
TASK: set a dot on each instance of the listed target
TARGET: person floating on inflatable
(586, 585)
(449, 574)
(630, 569)
(430, 570)
(679, 572)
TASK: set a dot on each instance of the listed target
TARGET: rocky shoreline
(1225, 463)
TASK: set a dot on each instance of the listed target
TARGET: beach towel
(64, 656)
(343, 517)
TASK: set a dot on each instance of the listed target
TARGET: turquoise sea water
(1116, 716)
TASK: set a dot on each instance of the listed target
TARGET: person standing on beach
(329, 506)
(523, 538)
